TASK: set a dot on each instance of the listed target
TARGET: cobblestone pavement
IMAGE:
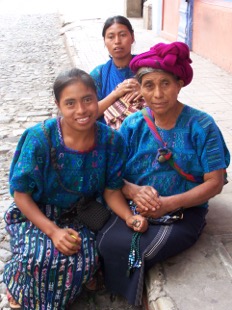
(32, 53)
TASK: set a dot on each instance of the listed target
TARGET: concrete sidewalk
(200, 278)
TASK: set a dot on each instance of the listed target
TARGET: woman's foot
(96, 283)
(13, 304)
(145, 301)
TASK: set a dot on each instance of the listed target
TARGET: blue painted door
(186, 22)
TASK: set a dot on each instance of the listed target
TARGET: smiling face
(118, 41)
(160, 91)
(79, 107)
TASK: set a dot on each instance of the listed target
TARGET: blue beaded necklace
(134, 260)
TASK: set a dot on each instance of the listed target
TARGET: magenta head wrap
(173, 58)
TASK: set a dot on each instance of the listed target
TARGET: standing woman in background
(114, 79)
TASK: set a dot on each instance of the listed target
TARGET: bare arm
(118, 204)
(105, 103)
(213, 184)
(62, 238)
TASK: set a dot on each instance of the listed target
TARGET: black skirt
(157, 244)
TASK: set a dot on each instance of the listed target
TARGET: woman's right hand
(61, 238)
(66, 240)
(137, 223)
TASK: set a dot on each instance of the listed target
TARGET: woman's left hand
(137, 223)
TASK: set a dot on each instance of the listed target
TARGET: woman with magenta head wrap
(176, 162)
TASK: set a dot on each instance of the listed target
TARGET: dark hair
(118, 19)
(68, 77)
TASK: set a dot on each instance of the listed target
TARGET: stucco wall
(133, 8)
(171, 19)
(212, 27)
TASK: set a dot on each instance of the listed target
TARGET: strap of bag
(54, 163)
(164, 152)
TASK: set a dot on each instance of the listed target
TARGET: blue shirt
(196, 143)
(88, 173)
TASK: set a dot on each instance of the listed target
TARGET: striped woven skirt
(38, 276)
(158, 243)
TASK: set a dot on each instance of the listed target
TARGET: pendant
(163, 155)
(161, 159)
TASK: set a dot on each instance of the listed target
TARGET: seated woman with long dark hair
(57, 165)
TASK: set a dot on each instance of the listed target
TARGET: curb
(157, 297)
(68, 26)
(163, 303)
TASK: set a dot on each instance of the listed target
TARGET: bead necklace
(134, 260)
